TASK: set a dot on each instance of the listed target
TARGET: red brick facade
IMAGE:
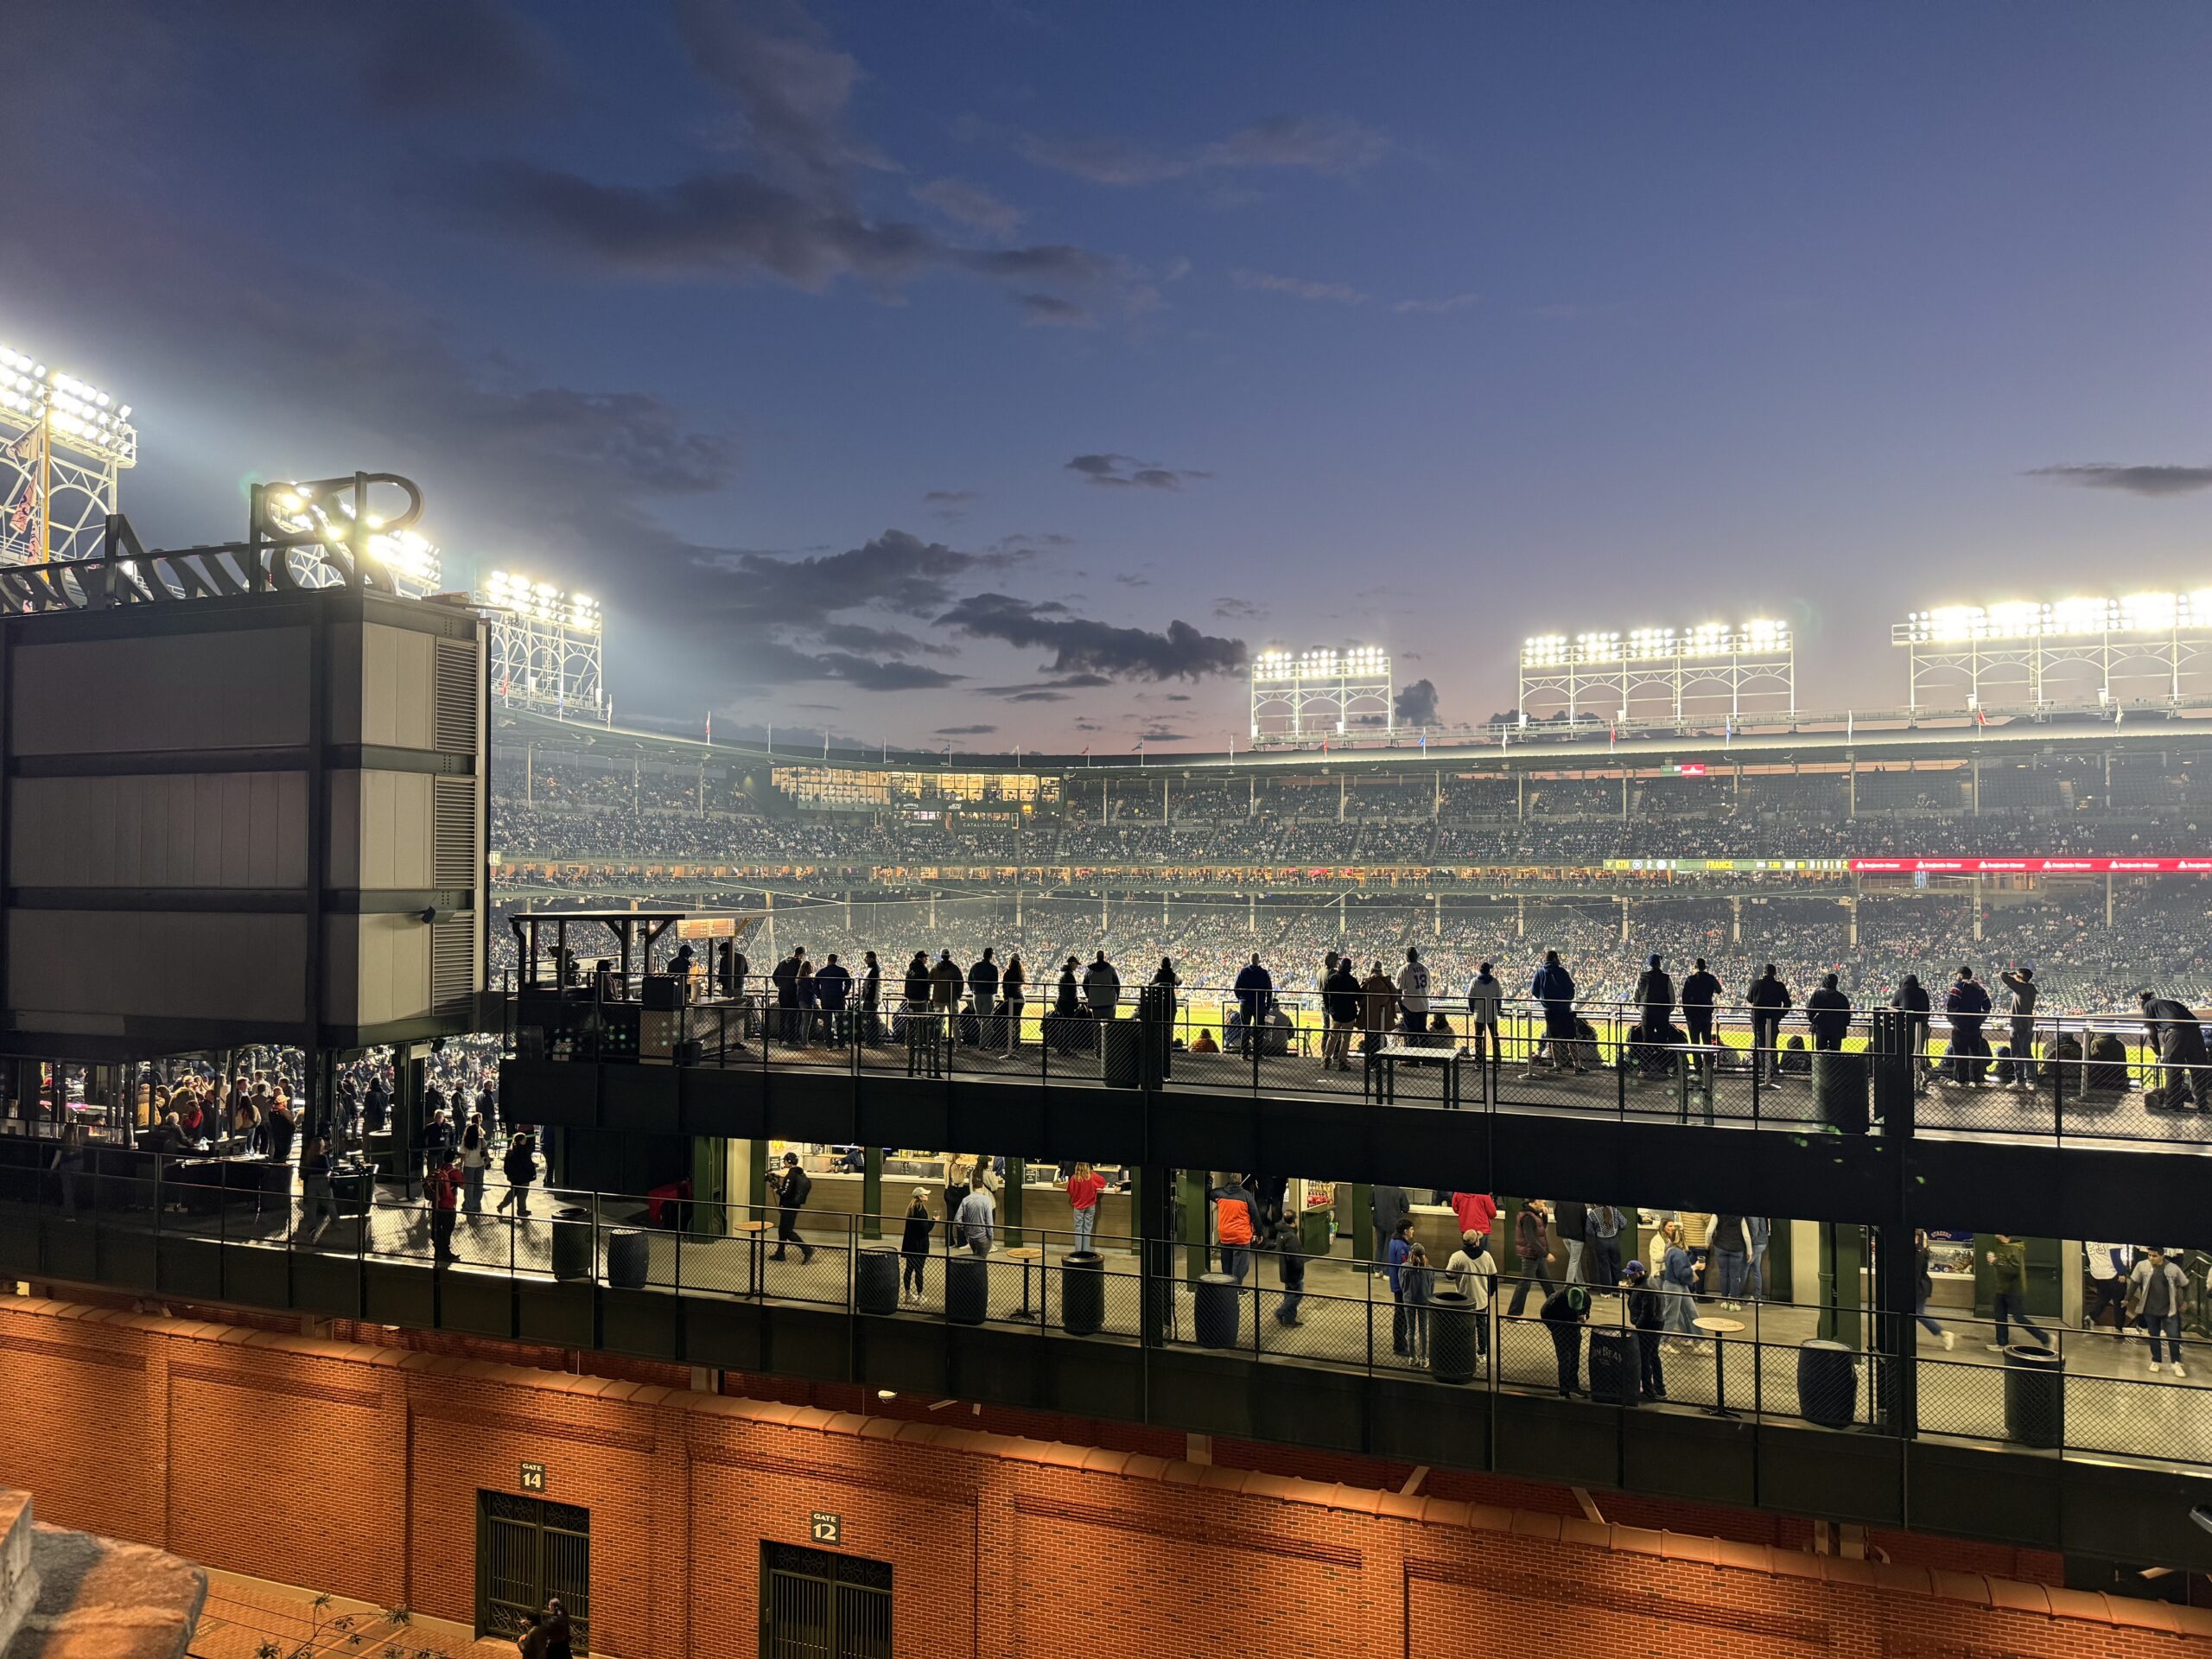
(354, 1468)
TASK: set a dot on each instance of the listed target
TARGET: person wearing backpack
(792, 1190)
(1236, 1225)
(520, 1168)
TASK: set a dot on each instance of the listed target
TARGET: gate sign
(828, 1529)
(533, 1477)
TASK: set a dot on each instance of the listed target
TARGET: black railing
(1760, 1359)
(2083, 1080)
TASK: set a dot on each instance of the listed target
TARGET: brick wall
(355, 1467)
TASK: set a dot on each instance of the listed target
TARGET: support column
(1016, 1172)
(1340, 908)
(1149, 1208)
(1843, 1260)
(2108, 900)
(1519, 798)
(1735, 921)
(1624, 794)
(1850, 786)
(1974, 772)
(933, 913)
(1252, 914)
(1191, 1188)
(1850, 911)
(1343, 791)
(1520, 919)
(1102, 920)
(1976, 901)
(1436, 915)
(871, 1192)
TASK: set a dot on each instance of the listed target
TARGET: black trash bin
(2035, 1395)
(627, 1256)
(1083, 1292)
(1827, 1389)
(967, 1290)
(1220, 1318)
(572, 1244)
(1451, 1337)
(1124, 1052)
(1613, 1372)
(875, 1281)
(1839, 1091)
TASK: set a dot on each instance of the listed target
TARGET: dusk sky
(1004, 373)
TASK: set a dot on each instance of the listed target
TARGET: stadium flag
(710, 725)
(1847, 717)
(1612, 736)
(1980, 717)
(2118, 715)
(1424, 741)
(20, 520)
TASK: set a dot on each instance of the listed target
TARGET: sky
(1007, 374)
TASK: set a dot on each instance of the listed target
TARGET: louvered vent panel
(453, 832)
(453, 966)
(460, 691)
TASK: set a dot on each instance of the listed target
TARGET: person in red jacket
(1478, 1212)
(441, 1187)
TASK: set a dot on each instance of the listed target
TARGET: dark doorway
(817, 1606)
(529, 1549)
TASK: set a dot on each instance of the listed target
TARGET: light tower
(2029, 654)
(1321, 691)
(1678, 674)
(63, 443)
(545, 647)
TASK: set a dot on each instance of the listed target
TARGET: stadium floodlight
(76, 414)
(2085, 644)
(1346, 684)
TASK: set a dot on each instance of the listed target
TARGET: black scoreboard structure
(243, 792)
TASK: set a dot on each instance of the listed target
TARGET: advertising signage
(2032, 866)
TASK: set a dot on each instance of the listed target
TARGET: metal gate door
(529, 1550)
(815, 1605)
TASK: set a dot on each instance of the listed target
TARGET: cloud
(2155, 479)
(1181, 653)
(1049, 311)
(1128, 580)
(1416, 704)
(1126, 471)
(890, 642)
(1436, 308)
(1331, 146)
(1265, 281)
(965, 731)
(951, 497)
(970, 206)
(789, 215)
(1232, 609)
(1160, 734)
(1178, 696)
(1055, 690)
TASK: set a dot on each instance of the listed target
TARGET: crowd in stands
(2161, 937)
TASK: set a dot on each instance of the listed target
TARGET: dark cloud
(1126, 471)
(1128, 580)
(1416, 704)
(1161, 735)
(970, 206)
(1050, 311)
(1181, 653)
(1178, 696)
(1038, 696)
(792, 214)
(790, 86)
(1297, 287)
(965, 731)
(890, 642)
(1230, 608)
(2151, 480)
(1332, 146)
(951, 497)
(438, 55)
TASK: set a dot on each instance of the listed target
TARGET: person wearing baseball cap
(1647, 1315)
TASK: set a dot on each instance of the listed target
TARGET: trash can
(875, 1281)
(1614, 1371)
(627, 1256)
(572, 1244)
(1839, 1091)
(967, 1293)
(2035, 1397)
(1451, 1338)
(1220, 1315)
(1083, 1292)
(1123, 1060)
(1827, 1388)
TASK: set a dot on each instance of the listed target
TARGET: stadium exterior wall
(355, 1469)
